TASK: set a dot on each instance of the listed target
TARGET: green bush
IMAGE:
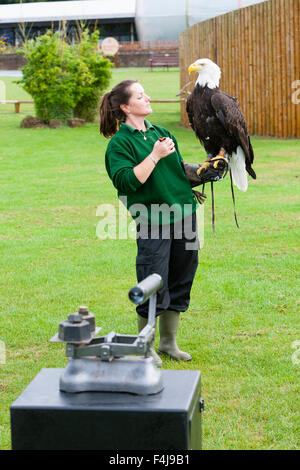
(93, 76)
(65, 80)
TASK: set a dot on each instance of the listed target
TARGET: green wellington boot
(142, 322)
(168, 326)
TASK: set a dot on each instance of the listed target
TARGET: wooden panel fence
(257, 49)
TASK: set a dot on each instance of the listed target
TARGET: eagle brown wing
(189, 111)
(230, 115)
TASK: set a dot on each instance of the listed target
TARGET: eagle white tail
(238, 169)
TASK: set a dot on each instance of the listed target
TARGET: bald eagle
(219, 123)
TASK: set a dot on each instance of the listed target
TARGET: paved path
(10, 73)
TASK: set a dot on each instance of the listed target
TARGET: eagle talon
(204, 166)
(218, 158)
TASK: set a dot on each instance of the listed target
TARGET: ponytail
(108, 123)
(111, 114)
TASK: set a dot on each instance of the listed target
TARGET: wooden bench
(164, 60)
(17, 103)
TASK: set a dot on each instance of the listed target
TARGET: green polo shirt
(166, 196)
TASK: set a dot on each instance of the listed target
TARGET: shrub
(93, 76)
(65, 80)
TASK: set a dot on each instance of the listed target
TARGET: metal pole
(152, 310)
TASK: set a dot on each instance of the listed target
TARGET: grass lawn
(243, 318)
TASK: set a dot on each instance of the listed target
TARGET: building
(126, 20)
(112, 17)
(165, 19)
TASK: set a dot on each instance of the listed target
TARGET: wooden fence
(257, 49)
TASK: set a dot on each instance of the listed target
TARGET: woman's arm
(161, 149)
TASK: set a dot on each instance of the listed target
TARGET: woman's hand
(163, 148)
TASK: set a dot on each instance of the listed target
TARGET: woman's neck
(137, 122)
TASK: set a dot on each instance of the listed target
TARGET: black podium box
(43, 418)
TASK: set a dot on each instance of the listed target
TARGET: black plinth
(43, 418)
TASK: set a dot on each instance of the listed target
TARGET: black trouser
(167, 251)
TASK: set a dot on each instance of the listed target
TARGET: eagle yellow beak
(193, 68)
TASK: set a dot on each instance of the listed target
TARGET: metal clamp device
(115, 362)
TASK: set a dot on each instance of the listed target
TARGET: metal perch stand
(115, 362)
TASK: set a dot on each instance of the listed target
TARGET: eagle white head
(208, 72)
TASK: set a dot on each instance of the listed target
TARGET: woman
(145, 166)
